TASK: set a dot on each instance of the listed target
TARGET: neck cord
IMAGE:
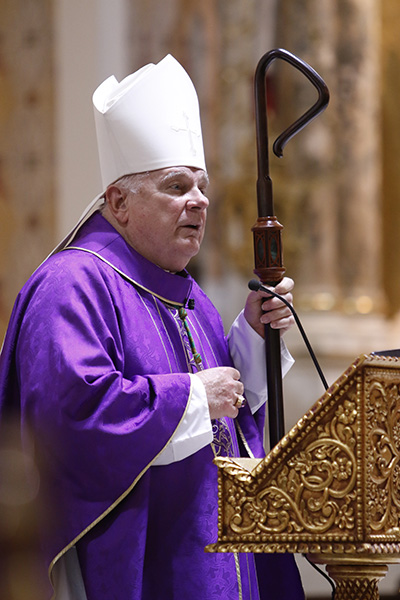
(196, 356)
(221, 434)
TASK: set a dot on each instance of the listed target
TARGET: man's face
(167, 216)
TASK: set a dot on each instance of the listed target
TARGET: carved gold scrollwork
(330, 488)
(383, 439)
(314, 490)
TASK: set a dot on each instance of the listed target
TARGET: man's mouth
(194, 226)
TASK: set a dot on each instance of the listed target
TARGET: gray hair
(132, 182)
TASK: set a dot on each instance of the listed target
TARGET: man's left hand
(261, 309)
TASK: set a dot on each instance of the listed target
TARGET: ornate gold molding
(331, 485)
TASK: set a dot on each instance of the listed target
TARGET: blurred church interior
(336, 189)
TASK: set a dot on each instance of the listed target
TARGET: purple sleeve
(97, 426)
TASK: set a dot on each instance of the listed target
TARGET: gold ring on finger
(240, 401)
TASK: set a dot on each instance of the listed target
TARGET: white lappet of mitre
(150, 120)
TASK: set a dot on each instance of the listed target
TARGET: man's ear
(117, 202)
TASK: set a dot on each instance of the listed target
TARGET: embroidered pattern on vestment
(222, 440)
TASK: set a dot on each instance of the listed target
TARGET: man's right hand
(223, 386)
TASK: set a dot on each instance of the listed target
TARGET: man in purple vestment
(124, 379)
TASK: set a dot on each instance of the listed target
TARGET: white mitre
(150, 120)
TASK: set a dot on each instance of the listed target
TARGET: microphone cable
(255, 286)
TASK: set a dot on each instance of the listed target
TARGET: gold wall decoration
(329, 183)
(27, 201)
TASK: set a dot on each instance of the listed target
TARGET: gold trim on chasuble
(130, 488)
(244, 441)
(222, 439)
(124, 275)
(238, 575)
(237, 426)
(222, 430)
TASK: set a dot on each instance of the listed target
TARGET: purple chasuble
(96, 364)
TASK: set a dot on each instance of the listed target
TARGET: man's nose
(197, 199)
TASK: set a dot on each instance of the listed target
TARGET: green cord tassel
(196, 356)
